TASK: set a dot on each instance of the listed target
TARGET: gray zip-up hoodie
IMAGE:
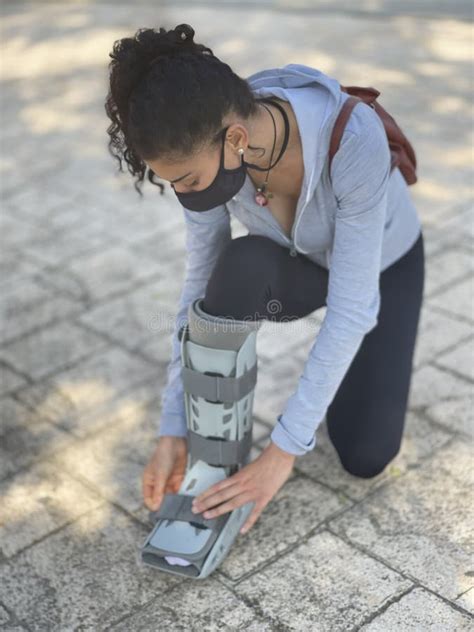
(355, 227)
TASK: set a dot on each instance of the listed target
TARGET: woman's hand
(257, 481)
(165, 470)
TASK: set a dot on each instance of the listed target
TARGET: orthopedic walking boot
(219, 374)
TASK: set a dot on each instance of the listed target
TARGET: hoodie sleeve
(360, 173)
(207, 233)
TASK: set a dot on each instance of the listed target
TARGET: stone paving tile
(48, 350)
(140, 319)
(62, 247)
(111, 270)
(443, 397)
(25, 306)
(13, 267)
(162, 247)
(84, 576)
(142, 222)
(25, 437)
(194, 608)
(37, 502)
(445, 269)
(420, 440)
(456, 414)
(112, 459)
(421, 525)
(19, 233)
(459, 360)
(323, 574)
(54, 201)
(456, 230)
(62, 210)
(458, 300)
(9, 623)
(4, 616)
(87, 396)
(9, 380)
(436, 333)
(61, 280)
(419, 610)
(298, 507)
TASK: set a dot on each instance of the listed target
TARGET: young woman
(348, 238)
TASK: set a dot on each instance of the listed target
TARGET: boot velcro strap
(217, 388)
(217, 451)
(178, 507)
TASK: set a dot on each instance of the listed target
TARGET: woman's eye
(194, 183)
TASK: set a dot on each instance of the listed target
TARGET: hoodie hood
(316, 100)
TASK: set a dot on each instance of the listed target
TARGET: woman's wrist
(283, 454)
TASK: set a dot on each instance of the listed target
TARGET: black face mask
(227, 182)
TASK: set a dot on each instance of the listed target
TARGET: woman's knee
(248, 249)
(367, 463)
(240, 278)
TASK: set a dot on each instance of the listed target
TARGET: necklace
(263, 193)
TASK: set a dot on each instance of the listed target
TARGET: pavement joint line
(155, 400)
(453, 372)
(91, 488)
(454, 316)
(137, 609)
(139, 284)
(444, 352)
(62, 368)
(334, 490)
(72, 317)
(455, 434)
(66, 367)
(463, 592)
(277, 626)
(12, 618)
(42, 279)
(385, 606)
(97, 301)
(10, 367)
(303, 539)
(114, 342)
(414, 580)
(448, 286)
(4, 561)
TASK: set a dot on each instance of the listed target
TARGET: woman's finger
(234, 503)
(202, 500)
(252, 519)
(216, 499)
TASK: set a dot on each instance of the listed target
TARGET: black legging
(366, 417)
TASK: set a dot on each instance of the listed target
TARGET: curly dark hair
(168, 96)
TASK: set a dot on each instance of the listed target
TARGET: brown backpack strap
(340, 125)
